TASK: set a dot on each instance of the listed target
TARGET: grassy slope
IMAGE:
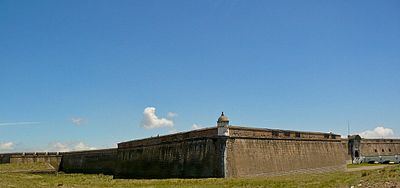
(24, 166)
(362, 164)
(389, 176)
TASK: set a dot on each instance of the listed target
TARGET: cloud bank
(19, 123)
(172, 114)
(77, 120)
(65, 147)
(378, 132)
(196, 126)
(173, 131)
(6, 146)
(151, 121)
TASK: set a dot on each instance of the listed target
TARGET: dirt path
(366, 168)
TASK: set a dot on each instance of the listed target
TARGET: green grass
(373, 178)
(363, 164)
(24, 166)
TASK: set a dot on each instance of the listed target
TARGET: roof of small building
(223, 118)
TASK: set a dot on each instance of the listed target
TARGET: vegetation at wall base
(363, 164)
(386, 177)
(15, 167)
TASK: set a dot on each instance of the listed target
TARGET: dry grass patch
(24, 166)
(387, 177)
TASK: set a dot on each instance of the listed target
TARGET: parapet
(246, 132)
(380, 141)
(89, 152)
(200, 133)
(234, 132)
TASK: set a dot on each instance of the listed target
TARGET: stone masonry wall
(379, 147)
(186, 158)
(263, 157)
(245, 132)
(52, 159)
(345, 144)
(5, 157)
(90, 162)
(201, 133)
(203, 154)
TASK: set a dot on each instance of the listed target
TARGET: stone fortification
(90, 162)
(264, 157)
(232, 152)
(201, 133)
(263, 152)
(380, 150)
(374, 150)
(52, 158)
(246, 132)
(222, 151)
(194, 154)
(348, 152)
(380, 147)
(6, 157)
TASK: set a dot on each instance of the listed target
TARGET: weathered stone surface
(5, 157)
(202, 133)
(52, 159)
(246, 132)
(244, 152)
(90, 162)
(188, 158)
(379, 147)
(263, 157)
(241, 152)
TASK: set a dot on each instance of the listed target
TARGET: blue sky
(80, 74)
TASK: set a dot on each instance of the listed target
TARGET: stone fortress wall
(89, 162)
(380, 147)
(52, 158)
(348, 154)
(222, 151)
(6, 157)
(283, 153)
(374, 150)
(244, 152)
(194, 154)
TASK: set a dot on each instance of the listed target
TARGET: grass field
(387, 177)
(361, 165)
(26, 166)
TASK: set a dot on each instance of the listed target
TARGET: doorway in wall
(356, 154)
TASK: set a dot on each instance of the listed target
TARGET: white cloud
(64, 147)
(378, 132)
(77, 120)
(173, 131)
(150, 119)
(6, 146)
(172, 114)
(195, 126)
(19, 123)
(59, 147)
(82, 146)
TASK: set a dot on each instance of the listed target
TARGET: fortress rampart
(264, 157)
(202, 133)
(221, 151)
(89, 162)
(260, 133)
(242, 152)
(374, 150)
(380, 147)
(186, 155)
